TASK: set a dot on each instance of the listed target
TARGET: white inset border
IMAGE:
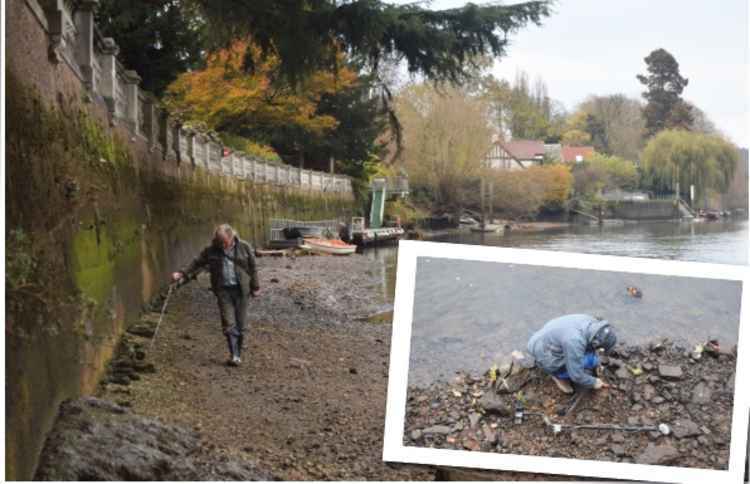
(395, 451)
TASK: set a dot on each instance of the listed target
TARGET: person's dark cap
(605, 338)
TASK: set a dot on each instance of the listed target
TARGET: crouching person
(566, 348)
(231, 263)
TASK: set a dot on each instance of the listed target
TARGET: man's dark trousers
(233, 310)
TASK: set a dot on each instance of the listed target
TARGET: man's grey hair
(224, 230)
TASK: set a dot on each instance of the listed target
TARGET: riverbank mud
(690, 390)
(308, 401)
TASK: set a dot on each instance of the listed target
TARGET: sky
(597, 47)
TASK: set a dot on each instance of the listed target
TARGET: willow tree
(675, 159)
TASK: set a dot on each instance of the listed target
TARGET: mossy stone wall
(95, 224)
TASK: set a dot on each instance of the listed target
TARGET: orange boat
(329, 246)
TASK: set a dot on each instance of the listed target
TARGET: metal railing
(278, 225)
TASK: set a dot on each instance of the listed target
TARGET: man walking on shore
(566, 349)
(231, 263)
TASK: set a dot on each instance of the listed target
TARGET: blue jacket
(563, 342)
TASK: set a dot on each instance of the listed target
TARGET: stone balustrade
(75, 40)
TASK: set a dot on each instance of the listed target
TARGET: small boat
(329, 246)
(285, 244)
(488, 228)
(466, 220)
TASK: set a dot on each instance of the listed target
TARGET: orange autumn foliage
(225, 97)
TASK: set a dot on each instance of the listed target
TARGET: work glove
(599, 384)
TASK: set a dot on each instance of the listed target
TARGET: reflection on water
(723, 242)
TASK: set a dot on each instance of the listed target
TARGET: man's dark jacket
(212, 258)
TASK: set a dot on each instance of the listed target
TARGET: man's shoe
(563, 385)
(234, 361)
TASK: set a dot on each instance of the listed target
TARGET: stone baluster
(61, 29)
(151, 121)
(207, 153)
(132, 79)
(108, 61)
(190, 141)
(252, 169)
(84, 50)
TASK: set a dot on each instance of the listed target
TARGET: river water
(469, 315)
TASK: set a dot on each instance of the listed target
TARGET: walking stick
(161, 316)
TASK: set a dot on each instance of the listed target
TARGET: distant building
(515, 155)
(522, 153)
(553, 151)
(618, 195)
(576, 154)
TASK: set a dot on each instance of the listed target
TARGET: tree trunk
(492, 200)
(481, 201)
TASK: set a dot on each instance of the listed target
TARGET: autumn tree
(619, 124)
(524, 111)
(517, 195)
(446, 136)
(557, 182)
(575, 131)
(295, 120)
(675, 159)
(524, 193)
(665, 108)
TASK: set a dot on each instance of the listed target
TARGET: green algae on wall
(100, 230)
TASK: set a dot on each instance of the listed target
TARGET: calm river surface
(469, 315)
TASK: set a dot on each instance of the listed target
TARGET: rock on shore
(97, 440)
(652, 384)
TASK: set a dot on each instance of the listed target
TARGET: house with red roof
(522, 153)
(515, 154)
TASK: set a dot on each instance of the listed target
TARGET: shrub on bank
(523, 193)
(409, 214)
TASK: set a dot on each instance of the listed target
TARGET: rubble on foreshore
(688, 389)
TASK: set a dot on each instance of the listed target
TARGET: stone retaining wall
(104, 232)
